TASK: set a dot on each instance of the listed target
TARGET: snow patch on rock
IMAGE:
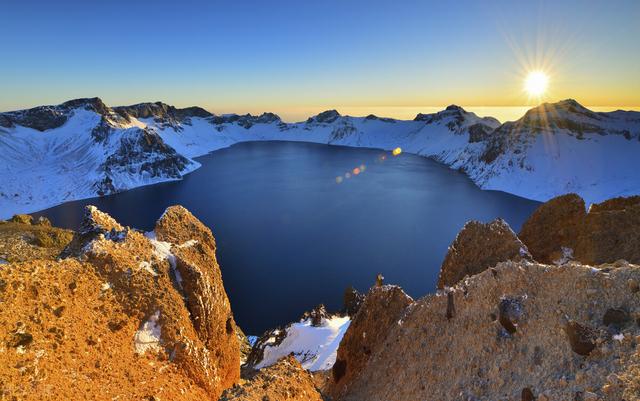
(314, 347)
(147, 338)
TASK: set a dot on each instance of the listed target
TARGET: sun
(536, 83)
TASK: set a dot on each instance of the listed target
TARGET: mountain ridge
(83, 148)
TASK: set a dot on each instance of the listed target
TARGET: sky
(297, 58)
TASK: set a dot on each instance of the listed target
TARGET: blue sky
(294, 55)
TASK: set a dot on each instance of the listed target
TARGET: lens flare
(396, 151)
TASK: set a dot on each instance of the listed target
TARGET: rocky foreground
(551, 313)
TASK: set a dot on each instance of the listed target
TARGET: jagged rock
(611, 231)
(451, 307)
(581, 338)
(479, 132)
(65, 332)
(245, 345)
(510, 312)
(5, 121)
(271, 338)
(478, 247)
(43, 118)
(381, 309)
(246, 121)
(177, 226)
(326, 117)
(42, 221)
(154, 311)
(424, 355)
(93, 225)
(351, 300)
(608, 232)
(201, 283)
(284, 381)
(165, 114)
(22, 219)
(555, 224)
(20, 242)
(146, 152)
(316, 315)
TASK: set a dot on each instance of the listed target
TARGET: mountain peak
(454, 107)
(93, 104)
(327, 116)
(556, 114)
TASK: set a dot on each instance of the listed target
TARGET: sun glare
(536, 83)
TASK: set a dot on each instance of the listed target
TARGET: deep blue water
(290, 237)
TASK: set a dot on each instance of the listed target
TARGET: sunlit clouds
(359, 170)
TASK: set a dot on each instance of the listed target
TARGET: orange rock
(478, 247)
(284, 381)
(381, 309)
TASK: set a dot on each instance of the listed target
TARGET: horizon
(292, 58)
(501, 113)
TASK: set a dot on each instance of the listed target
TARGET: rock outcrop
(554, 226)
(520, 326)
(561, 230)
(123, 316)
(611, 232)
(199, 279)
(382, 308)
(284, 381)
(23, 238)
(478, 247)
(351, 301)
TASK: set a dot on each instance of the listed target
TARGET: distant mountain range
(83, 148)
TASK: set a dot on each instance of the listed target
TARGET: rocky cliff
(122, 316)
(508, 327)
(112, 313)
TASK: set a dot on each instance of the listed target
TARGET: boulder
(561, 229)
(42, 221)
(284, 381)
(22, 219)
(316, 315)
(611, 231)
(478, 247)
(177, 226)
(381, 309)
(553, 226)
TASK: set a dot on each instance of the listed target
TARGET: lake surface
(290, 236)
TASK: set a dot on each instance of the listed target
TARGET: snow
(147, 338)
(42, 169)
(162, 250)
(314, 347)
(146, 266)
(567, 255)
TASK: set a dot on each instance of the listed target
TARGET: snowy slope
(315, 347)
(83, 148)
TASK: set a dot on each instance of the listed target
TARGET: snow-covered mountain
(83, 148)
